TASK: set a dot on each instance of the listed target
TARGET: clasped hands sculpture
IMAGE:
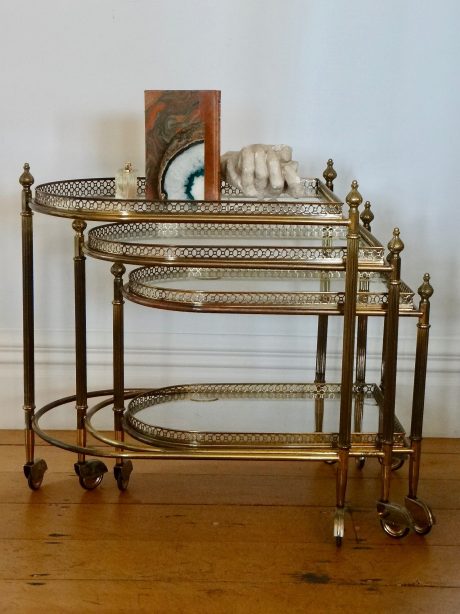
(261, 171)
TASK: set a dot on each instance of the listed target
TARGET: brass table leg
(421, 513)
(354, 199)
(320, 374)
(90, 473)
(395, 519)
(34, 469)
(123, 468)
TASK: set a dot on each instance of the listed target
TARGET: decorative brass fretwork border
(142, 284)
(137, 240)
(98, 196)
(203, 392)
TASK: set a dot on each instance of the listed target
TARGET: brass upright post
(361, 345)
(321, 339)
(384, 349)
(391, 353)
(418, 400)
(118, 270)
(361, 355)
(354, 199)
(361, 336)
(79, 227)
(26, 180)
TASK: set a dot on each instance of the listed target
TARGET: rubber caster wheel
(393, 529)
(338, 541)
(34, 473)
(422, 516)
(90, 473)
(360, 462)
(122, 474)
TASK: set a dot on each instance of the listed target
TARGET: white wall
(373, 85)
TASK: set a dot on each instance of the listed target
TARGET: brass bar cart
(304, 257)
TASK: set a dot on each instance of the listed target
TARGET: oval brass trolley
(310, 256)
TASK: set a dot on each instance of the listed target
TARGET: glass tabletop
(206, 288)
(231, 244)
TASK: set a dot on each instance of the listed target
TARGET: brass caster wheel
(34, 473)
(393, 529)
(330, 462)
(360, 462)
(420, 530)
(422, 516)
(339, 525)
(90, 483)
(122, 474)
(397, 461)
(90, 473)
(395, 520)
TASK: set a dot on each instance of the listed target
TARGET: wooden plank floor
(212, 537)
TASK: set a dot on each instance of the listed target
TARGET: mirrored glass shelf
(282, 245)
(299, 415)
(260, 290)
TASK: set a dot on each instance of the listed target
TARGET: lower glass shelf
(299, 415)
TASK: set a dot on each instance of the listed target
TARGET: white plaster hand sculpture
(262, 170)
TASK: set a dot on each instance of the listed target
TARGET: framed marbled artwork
(182, 142)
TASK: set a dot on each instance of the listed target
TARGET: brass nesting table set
(311, 256)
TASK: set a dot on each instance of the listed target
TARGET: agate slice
(182, 144)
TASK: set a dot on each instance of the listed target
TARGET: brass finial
(26, 179)
(330, 174)
(426, 289)
(79, 226)
(118, 269)
(367, 216)
(396, 245)
(354, 198)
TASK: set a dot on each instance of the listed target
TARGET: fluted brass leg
(27, 181)
(34, 469)
(329, 175)
(354, 199)
(395, 519)
(414, 467)
(90, 473)
(342, 477)
(361, 353)
(81, 406)
(418, 399)
(118, 271)
(341, 488)
(391, 352)
(422, 516)
(123, 467)
(320, 373)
